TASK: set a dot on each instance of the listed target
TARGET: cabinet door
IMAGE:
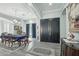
(55, 30)
(44, 33)
(50, 30)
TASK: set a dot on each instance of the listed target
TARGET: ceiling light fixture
(15, 21)
(50, 4)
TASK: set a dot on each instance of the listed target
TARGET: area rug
(15, 46)
(41, 51)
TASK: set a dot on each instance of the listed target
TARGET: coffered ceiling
(18, 10)
(47, 6)
(24, 11)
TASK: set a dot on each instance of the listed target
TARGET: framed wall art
(73, 17)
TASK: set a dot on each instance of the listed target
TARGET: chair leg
(5, 42)
(8, 43)
(11, 44)
(25, 43)
(19, 43)
(2, 41)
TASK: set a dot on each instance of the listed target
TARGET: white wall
(23, 24)
(63, 24)
(51, 14)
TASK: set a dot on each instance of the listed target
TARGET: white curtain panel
(6, 26)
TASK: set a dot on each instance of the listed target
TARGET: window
(6, 26)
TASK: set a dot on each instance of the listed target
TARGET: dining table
(11, 38)
(16, 37)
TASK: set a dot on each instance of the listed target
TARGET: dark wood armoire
(50, 30)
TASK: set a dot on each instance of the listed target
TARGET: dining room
(15, 28)
(26, 29)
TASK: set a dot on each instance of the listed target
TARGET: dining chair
(2, 37)
(24, 41)
(8, 38)
(12, 41)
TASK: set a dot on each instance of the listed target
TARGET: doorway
(34, 30)
(31, 30)
(27, 29)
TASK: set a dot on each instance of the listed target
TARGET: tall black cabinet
(50, 30)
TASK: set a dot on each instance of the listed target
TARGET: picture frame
(16, 27)
(73, 17)
(74, 25)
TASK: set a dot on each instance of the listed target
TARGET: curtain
(6, 26)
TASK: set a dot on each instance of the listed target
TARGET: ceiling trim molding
(64, 7)
(34, 10)
(51, 11)
(9, 17)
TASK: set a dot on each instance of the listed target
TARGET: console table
(69, 47)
